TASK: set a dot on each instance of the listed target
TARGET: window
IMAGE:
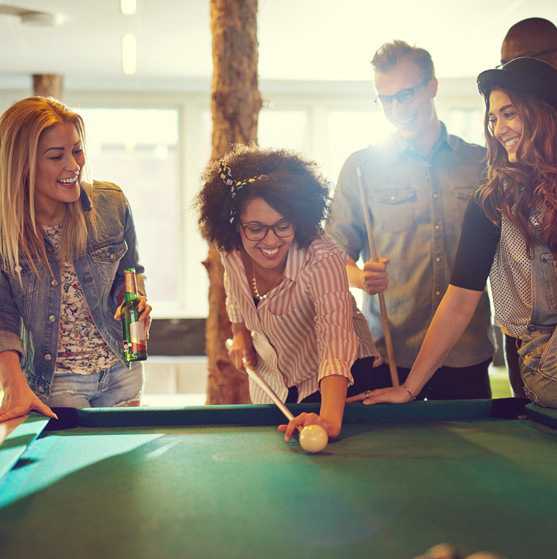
(138, 150)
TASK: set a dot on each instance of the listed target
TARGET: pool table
(219, 482)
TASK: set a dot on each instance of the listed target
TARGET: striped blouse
(308, 327)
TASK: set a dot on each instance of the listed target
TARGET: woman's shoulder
(105, 189)
(106, 195)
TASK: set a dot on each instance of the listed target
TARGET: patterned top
(81, 348)
(306, 328)
(502, 253)
(511, 281)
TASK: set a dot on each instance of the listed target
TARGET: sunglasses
(402, 96)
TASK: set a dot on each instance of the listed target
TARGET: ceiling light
(128, 7)
(129, 54)
(40, 19)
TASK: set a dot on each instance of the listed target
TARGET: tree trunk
(48, 85)
(235, 105)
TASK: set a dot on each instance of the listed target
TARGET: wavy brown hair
(513, 189)
(288, 183)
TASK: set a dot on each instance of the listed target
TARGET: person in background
(293, 318)
(534, 37)
(64, 245)
(417, 187)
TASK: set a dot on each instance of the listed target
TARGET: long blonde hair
(21, 127)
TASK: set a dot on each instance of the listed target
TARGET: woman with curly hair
(509, 234)
(64, 246)
(293, 317)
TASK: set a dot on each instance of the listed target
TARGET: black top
(478, 242)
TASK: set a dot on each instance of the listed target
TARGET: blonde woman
(64, 245)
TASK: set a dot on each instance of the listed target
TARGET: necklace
(255, 291)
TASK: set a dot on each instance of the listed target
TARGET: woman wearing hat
(509, 234)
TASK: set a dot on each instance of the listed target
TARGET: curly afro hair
(288, 183)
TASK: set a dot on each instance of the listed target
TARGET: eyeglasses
(402, 96)
(526, 55)
(256, 231)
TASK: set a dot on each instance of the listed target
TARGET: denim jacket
(30, 309)
(544, 288)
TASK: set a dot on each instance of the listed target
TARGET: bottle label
(138, 337)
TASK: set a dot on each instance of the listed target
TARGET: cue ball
(313, 438)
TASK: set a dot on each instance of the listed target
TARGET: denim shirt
(30, 310)
(416, 206)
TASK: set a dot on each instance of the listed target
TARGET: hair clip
(225, 175)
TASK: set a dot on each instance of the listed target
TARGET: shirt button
(51, 318)
(438, 259)
(435, 195)
(54, 283)
(47, 357)
(437, 226)
(437, 292)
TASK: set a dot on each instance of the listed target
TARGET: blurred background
(139, 72)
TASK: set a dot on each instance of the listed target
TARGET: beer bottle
(134, 334)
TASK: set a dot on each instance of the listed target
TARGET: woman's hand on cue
(374, 276)
(300, 421)
(392, 395)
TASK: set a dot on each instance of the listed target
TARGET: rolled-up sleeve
(337, 342)
(10, 320)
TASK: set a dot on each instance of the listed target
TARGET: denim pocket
(108, 253)
(105, 260)
(396, 209)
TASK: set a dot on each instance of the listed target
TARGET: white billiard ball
(313, 438)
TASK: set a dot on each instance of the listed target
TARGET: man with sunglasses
(415, 189)
(534, 37)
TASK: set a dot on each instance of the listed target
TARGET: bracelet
(412, 395)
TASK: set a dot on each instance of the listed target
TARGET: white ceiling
(299, 39)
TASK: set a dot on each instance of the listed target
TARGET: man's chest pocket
(394, 209)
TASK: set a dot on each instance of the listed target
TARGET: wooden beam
(48, 85)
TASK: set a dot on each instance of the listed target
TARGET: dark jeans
(448, 383)
(513, 366)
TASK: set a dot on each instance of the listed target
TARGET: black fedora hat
(527, 76)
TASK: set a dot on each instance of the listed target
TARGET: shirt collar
(294, 261)
(402, 147)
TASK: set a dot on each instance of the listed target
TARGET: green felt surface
(17, 441)
(393, 486)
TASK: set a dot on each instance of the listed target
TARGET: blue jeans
(118, 386)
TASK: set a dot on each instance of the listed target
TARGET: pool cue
(264, 386)
(382, 307)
